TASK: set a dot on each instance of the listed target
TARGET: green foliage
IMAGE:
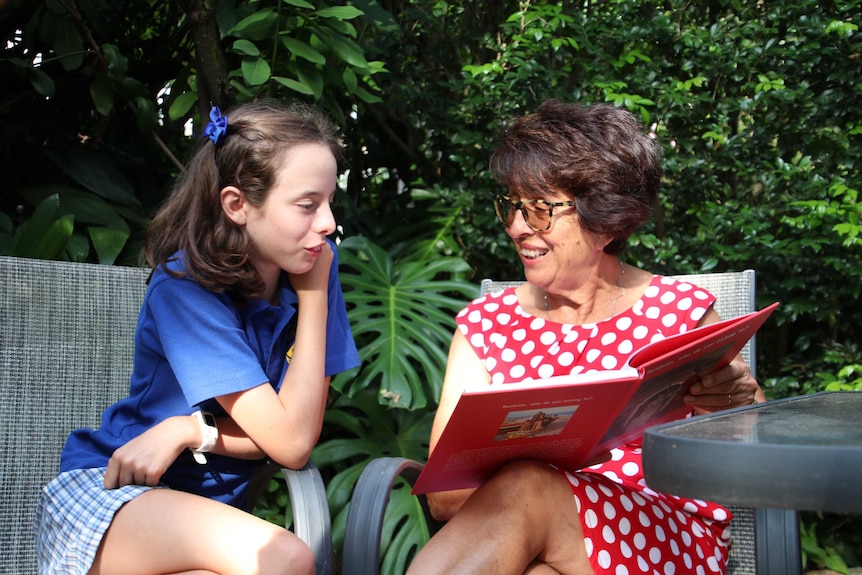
(402, 314)
(831, 541)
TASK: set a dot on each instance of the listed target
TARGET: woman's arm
(463, 369)
(726, 387)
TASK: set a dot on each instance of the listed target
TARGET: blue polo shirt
(192, 345)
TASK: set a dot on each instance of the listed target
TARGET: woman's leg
(166, 531)
(525, 513)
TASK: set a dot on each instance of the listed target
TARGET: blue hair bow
(216, 130)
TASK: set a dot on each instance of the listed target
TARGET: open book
(573, 421)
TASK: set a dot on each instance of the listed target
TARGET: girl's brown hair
(191, 220)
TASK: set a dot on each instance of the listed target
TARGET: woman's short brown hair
(597, 155)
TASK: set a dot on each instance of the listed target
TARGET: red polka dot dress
(628, 528)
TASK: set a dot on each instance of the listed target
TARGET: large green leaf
(46, 233)
(402, 316)
(96, 173)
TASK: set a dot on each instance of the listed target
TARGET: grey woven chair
(66, 347)
(766, 541)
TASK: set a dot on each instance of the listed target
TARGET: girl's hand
(317, 278)
(726, 387)
(144, 459)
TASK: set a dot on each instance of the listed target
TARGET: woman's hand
(726, 387)
(144, 459)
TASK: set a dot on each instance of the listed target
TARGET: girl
(242, 325)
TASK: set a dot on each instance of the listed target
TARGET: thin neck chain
(614, 303)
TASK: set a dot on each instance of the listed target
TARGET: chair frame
(66, 353)
(770, 536)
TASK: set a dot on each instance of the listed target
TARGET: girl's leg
(525, 514)
(166, 531)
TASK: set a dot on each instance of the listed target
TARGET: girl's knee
(286, 553)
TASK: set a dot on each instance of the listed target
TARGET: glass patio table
(802, 453)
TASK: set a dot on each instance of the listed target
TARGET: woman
(242, 325)
(579, 181)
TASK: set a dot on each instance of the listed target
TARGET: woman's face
(561, 257)
(288, 230)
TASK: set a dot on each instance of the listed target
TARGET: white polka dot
(626, 347)
(684, 304)
(604, 559)
(609, 338)
(654, 555)
(644, 519)
(477, 340)
(651, 292)
(686, 558)
(624, 323)
(640, 332)
(713, 565)
(631, 468)
(519, 334)
(653, 312)
(686, 538)
(609, 510)
(659, 534)
(591, 493)
(643, 565)
(669, 568)
(609, 362)
(593, 354)
(640, 541)
(625, 526)
(537, 324)
(626, 550)
(667, 297)
(504, 319)
(621, 570)
(528, 347)
(546, 370)
(626, 503)
(548, 337)
(566, 358)
(475, 316)
(669, 320)
(517, 372)
(490, 364)
(508, 355)
(720, 514)
(588, 543)
(608, 534)
(674, 547)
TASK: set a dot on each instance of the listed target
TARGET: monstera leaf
(402, 315)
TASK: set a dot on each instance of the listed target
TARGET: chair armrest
(311, 519)
(362, 538)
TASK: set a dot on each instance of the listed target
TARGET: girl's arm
(286, 425)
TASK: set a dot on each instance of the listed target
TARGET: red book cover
(573, 421)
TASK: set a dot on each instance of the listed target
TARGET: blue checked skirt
(72, 515)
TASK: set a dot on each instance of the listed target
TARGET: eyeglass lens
(537, 215)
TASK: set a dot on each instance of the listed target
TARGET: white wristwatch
(209, 435)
